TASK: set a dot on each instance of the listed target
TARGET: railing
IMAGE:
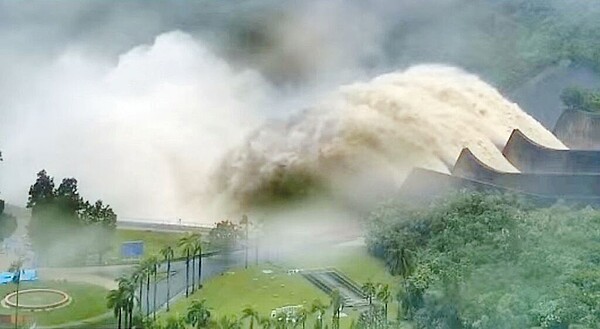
(168, 222)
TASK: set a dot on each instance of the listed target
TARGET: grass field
(87, 301)
(230, 293)
(37, 298)
(154, 241)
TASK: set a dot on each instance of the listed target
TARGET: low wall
(530, 157)
(579, 130)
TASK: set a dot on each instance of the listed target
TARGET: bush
(581, 99)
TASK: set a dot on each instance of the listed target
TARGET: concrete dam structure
(579, 130)
(545, 175)
(531, 157)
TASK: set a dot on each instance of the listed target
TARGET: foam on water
(421, 117)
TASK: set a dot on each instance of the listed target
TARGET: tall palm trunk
(246, 249)
(127, 321)
(199, 269)
(168, 282)
(193, 273)
(141, 287)
(386, 312)
(187, 273)
(154, 297)
(126, 316)
(131, 305)
(119, 319)
(256, 252)
(148, 294)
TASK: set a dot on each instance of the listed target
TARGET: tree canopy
(488, 261)
(225, 235)
(65, 226)
(580, 99)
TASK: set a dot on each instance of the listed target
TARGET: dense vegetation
(487, 261)
(8, 223)
(530, 35)
(581, 99)
(64, 227)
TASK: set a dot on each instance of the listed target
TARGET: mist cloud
(131, 132)
(139, 100)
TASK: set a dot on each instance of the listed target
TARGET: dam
(545, 175)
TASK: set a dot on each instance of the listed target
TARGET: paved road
(211, 266)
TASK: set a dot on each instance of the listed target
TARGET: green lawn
(230, 293)
(37, 298)
(87, 301)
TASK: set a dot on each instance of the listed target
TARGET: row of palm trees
(123, 300)
(199, 316)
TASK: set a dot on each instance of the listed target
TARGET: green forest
(507, 42)
(491, 261)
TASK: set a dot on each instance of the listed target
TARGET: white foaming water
(144, 133)
(369, 135)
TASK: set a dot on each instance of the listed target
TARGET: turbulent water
(367, 136)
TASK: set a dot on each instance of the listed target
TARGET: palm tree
(153, 264)
(198, 251)
(168, 254)
(186, 243)
(149, 268)
(384, 295)
(198, 314)
(258, 227)
(400, 262)
(122, 301)
(301, 317)
(319, 309)
(127, 287)
(251, 314)
(144, 269)
(143, 274)
(246, 223)
(336, 306)
(369, 290)
(194, 238)
(16, 267)
(137, 277)
(115, 301)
